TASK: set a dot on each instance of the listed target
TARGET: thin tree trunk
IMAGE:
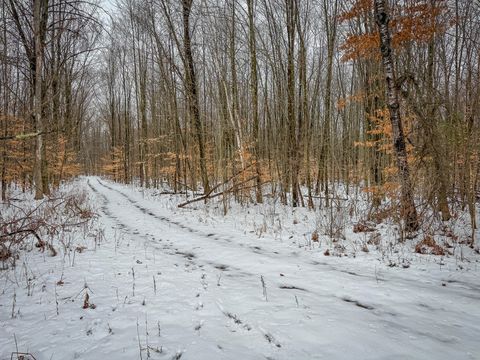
(291, 119)
(331, 28)
(191, 84)
(254, 93)
(40, 7)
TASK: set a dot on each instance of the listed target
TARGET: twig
(139, 344)
(264, 286)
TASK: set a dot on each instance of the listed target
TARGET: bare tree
(408, 206)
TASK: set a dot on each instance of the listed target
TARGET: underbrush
(61, 223)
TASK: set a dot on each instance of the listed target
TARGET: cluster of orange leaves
(19, 154)
(414, 21)
(18, 160)
(382, 128)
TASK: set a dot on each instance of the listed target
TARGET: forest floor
(170, 283)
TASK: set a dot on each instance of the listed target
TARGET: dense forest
(248, 98)
(239, 179)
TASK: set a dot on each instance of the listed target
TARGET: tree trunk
(40, 7)
(331, 32)
(254, 93)
(191, 84)
(409, 212)
(291, 119)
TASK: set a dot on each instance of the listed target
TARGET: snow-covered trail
(196, 288)
(341, 311)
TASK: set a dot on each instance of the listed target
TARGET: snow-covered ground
(169, 283)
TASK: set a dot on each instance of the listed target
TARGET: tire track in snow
(205, 235)
(167, 220)
(282, 285)
(254, 249)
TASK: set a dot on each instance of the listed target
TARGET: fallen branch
(31, 231)
(40, 243)
(209, 195)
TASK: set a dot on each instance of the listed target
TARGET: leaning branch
(31, 231)
(209, 195)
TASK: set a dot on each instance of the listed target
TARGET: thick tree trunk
(409, 212)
